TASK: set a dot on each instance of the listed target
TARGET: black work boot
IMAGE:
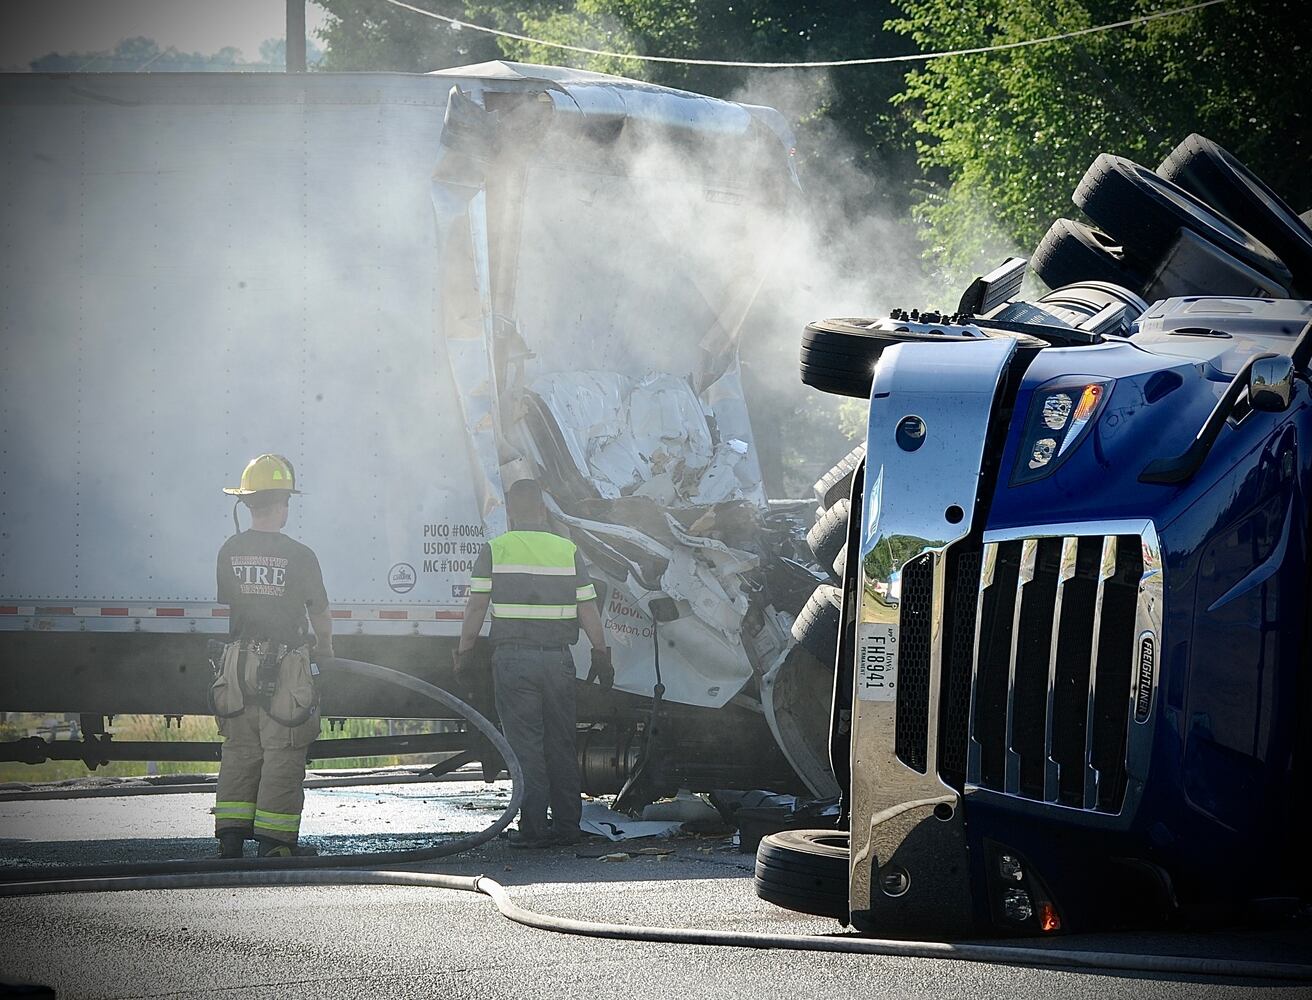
(531, 841)
(231, 844)
(270, 848)
(567, 838)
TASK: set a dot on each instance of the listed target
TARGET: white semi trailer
(416, 287)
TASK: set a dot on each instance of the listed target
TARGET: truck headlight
(1016, 905)
(1017, 894)
(1061, 412)
(1009, 868)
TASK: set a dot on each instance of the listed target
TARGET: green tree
(374, 35)
(844, 113)
(141, 55)
(273, 53)
(1006, 136)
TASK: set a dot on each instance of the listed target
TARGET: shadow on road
(594, 860)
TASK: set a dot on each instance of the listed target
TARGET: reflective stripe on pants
(260, 787)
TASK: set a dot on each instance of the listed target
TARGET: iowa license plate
(876, 667)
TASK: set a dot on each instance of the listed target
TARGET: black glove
(602, 671)
(464, 668)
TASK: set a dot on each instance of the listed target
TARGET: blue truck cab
(1070, 672)
(1076, 624)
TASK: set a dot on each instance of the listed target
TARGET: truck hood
(1221, 333)
(1161, 384)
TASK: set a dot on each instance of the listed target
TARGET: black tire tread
(829, 533)
(837, 482)
(1071, 252)
(831, 384)
(1216, 177)
(838, 355)
(803, 879)
(816, 625)
(840, 563)
(797, 873)
(1129, 203)
(802, 903)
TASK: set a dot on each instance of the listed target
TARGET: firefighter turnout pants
(262, 769)
(536, 700)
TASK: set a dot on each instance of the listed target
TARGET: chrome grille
(1056, 667)
(963, 567)
(915, 616)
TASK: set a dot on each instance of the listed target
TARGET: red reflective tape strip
(8, 611)
(394, 615)
(449, 616)
(340, 613)
(218, 612)
(55, 611)
(114, 612)
(170, 612)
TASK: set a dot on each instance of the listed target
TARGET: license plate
(876, 668)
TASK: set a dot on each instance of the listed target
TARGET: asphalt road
(351, 942)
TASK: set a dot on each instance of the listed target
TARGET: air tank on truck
(1070, 653)
(420, 288)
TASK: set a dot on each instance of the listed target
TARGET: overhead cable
(456, 22)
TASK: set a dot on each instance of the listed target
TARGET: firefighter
(537, 586)
(266, 693)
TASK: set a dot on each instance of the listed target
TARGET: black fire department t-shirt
(269, 581)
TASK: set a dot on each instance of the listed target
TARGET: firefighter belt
(278, 681)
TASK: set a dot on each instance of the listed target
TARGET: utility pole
(295, 36)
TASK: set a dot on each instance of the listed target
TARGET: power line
(868, 61)
(1082, 54)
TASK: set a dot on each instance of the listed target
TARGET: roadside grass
(193, 728)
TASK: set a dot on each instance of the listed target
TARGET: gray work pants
(535, 693)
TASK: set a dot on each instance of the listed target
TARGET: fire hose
(371, 672)
(362, 869)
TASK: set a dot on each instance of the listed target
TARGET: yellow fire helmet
(265, 472)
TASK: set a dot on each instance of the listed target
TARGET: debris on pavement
(603, 822)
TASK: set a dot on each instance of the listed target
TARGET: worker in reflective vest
(537, 587)
(266, 693)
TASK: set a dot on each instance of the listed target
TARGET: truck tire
(1145, 212)
(816, 626)
(829, 533)
(1071, 252)
(839, 355)
(1214, 176)
(840, 562)
(837, 482)
(805, 871)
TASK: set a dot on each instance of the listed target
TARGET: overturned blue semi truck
(1069, 613)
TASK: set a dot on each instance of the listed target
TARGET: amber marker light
(1090, 397)
(1088, 403)
(1049, 921)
